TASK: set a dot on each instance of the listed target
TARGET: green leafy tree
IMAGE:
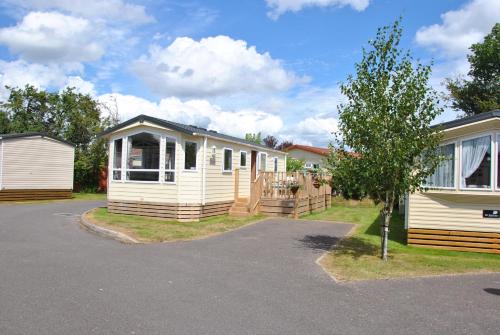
(482, 92)
(293, 164)
(255, 138)
(347, 178)
(69, 115)
(386, 121)
(4, 123)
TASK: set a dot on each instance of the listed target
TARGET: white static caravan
(35, 166)
(183, 172)
(461, 209)
(313, 157)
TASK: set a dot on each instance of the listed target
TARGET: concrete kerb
(105, 232)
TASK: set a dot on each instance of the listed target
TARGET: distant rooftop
(316, 150)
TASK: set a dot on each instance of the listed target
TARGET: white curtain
(444, 176)
(473, 152)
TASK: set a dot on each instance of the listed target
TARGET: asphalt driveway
(56, 278)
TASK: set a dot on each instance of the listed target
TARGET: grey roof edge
(468, 120)
(186, 129)
(34, 134)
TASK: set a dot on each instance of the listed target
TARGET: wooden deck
(289, 194)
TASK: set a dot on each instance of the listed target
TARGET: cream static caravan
(461, 209)
(35, 166)
(183, 172)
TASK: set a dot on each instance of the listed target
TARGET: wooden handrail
(256, 189)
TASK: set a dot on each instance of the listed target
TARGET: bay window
(143, 157)
(170, 161)
(476, 163)
(444, 176)
(227, 162)
(190, 149)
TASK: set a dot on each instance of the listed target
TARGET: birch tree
(387, 120)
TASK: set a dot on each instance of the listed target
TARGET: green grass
(75, 196)
(147, 229)
(89, 196)
(358, 256)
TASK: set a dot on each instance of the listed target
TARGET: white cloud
(315, 130)
(279, 7)
(80, 85)
(20, 73)
(45, 37)
(210, 67)
(197, 112)
(112, 10)
(460, 28)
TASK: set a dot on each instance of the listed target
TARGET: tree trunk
(386, 220)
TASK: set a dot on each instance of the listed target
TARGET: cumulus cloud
(279, 7)
(20, 73)
(80, 85)
(112, 10)
(212, 66)
(197, 112)
(50, 36)
(316, 130)
(460, 28)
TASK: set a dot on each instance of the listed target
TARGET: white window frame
(164, 151)
(196, 157)
(259, 159)
(126, 169)
(246, 159)
(458, 169)
(493, 159)
(497, 162)
(275, 164)
(112, 160)
(224, 160)
(161, 170)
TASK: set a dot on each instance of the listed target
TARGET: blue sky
(233, 66)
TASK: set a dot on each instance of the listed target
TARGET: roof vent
(205, 129)
(213, 131)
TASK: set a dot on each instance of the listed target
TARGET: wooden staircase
(240, 208)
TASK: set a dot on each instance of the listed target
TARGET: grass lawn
(146, 229)
(75, 196)
(89, 196)
(357, 256)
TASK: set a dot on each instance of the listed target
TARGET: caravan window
(143, 157)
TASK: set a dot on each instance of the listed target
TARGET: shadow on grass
(319, 242)
(356, 247)
(494, 291)
(397, 232)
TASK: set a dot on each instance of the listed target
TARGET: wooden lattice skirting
(294, 207)
(174, 211)
(19, 195)
(455, 240)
